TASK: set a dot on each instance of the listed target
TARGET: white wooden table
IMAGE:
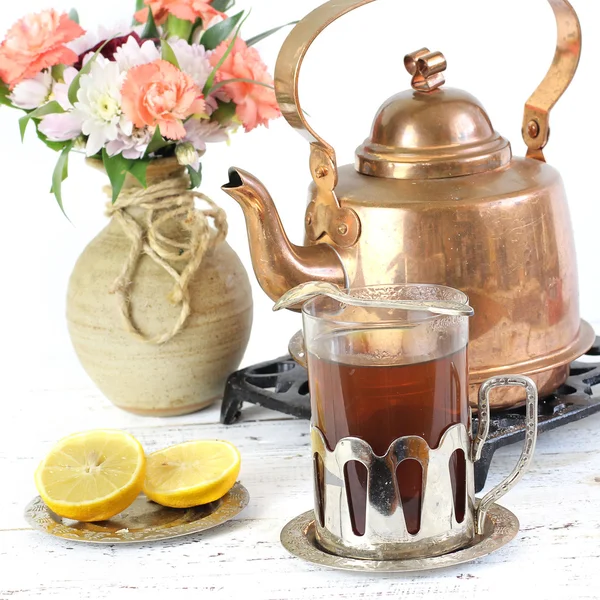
(556, 554)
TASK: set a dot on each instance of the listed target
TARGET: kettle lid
(429, 132)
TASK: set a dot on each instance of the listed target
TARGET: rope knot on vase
(167, 202)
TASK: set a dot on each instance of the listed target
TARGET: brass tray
(298, 538)
(143, 521)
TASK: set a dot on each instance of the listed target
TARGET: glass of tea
(391, 423)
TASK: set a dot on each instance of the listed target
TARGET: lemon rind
(124, 490)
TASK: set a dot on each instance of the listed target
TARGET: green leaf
(224, 113)
(74, 15)
(76, 83)
(156, 143)
(197, 25)
(56, 146)
(117, 168)
(179, 28)
(222, 5)
(213, 74)
(214, 35)
(4, 94)
(168, 54)
(150, 31)
(138, 169)
(58, 72)
(47, 109)
(261, 36)
(195, 176)
(61, 172)
(220, 84)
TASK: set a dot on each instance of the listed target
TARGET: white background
(499, 51)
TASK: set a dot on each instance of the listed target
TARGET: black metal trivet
(282, 385)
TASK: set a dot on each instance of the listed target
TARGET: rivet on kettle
(533, 129)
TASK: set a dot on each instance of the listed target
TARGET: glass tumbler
(391, 424)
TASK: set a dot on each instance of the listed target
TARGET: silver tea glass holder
(386, 540)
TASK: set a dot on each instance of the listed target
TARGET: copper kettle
(436, 196)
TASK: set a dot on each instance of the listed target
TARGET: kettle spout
(279, 265)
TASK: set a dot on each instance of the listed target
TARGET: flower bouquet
(178, 77)
(159, 307)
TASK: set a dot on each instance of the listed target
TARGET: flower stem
(179, 28)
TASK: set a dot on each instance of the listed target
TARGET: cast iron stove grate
(282, 385)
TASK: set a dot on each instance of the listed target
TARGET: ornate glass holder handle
(531, 416)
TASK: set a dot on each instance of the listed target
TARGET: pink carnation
(37, 42)
(160, 94)
(189, 10)
(255, 104)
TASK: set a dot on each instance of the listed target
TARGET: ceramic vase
(184, 374)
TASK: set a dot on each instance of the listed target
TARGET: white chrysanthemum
(92, 38)
(199, 132)
(193, 60)
(131, 54)
(32, 93)
(131, 146)
(99, 105)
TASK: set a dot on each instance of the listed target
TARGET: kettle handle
(536, 128)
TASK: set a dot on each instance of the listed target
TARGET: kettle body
(504, 238)
(436, 196)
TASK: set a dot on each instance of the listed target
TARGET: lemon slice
(92, 476)
(192, 473)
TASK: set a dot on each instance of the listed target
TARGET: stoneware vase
(189, 371)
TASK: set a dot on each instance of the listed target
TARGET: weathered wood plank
(557, 503)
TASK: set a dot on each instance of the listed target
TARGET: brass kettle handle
(536, 128)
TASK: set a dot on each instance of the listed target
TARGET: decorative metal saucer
(143, 521)
(298, 538)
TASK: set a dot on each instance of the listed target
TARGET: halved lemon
(192, 473)
(92, 476)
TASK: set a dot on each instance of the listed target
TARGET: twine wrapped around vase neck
(164, 203)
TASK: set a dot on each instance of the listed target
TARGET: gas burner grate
(282, 385)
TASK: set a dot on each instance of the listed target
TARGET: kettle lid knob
(427, 69)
